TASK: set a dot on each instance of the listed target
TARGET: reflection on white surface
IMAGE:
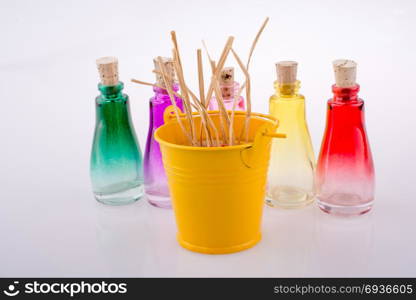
(120, 232)
(133, 240)
(50, 225)
(140, 240)
(290, 234)
(343, 245)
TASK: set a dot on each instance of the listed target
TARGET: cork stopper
(286, 71)
(345, 72)
(227, 75)
(227, 82)
(108, 70)
(170, 69)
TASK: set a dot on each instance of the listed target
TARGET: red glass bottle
(345, 171)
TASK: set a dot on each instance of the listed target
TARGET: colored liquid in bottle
(292, 162)
(116, 160)
(345, 171)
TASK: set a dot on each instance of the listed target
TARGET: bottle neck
(158, 104)
(112, 106)
(287, 89)
(111, 92)
(164, 92)
(345, 94)
(229, 91)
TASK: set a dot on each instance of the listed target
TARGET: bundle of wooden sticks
(208, 135)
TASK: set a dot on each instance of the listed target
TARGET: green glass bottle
(116, 159)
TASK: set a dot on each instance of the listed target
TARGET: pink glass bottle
(229, 88)
(155, 181)
(345, 171)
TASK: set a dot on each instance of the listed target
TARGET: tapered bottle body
(291, 182)
(345, 172)
(156, 185)
(116, 160)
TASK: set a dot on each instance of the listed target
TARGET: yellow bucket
(217, 192)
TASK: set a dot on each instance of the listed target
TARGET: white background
(50, 224)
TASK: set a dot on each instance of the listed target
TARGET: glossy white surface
(50, 225)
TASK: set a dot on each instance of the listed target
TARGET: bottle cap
(227, 82)
(169, 68)
(286, 71)
(345, 72)
(108, 70)
(227, 75)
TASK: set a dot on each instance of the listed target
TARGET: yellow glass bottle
(291, 181)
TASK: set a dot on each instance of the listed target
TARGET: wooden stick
(197, 107)
(248, 115)
(201, 83)
(220, 100)
(154, 85)
(236, 97)
(224, 55)
(224, 118)
(186, 102)
(247, 82)
(210, 123)
(179, 72)
(255, 41)
(211, 61)
(175, 45)
(203, 127)
(248, 99)
(197, 104)
(167, 76)
(204, 121)
(145, 83)
(219, 67)
(173, 100)
(212, 64)
(244, 131)
(200, 76)
(173, 35)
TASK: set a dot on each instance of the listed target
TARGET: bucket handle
(169, 114)
(253, 155)
(275, 135)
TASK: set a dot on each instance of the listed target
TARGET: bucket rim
(221, 148)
